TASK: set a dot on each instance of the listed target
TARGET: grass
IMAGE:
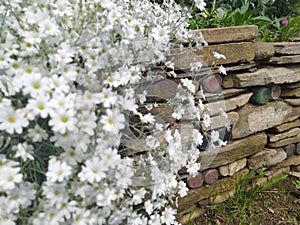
(257, 204)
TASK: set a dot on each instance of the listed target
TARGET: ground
(280, 204)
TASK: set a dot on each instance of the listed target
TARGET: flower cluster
(69, 72)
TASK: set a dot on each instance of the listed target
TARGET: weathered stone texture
(286, 126)
(287, 48)
(272, 75)
(263, 50)
(285, 141)
(268, 157)
(228, 104)
(233, 151)
(290, 133)
(287, 59)
(258, 118)
(226, 34)
(232, 168)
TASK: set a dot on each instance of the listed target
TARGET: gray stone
(297, 151)
(233, 151)
(291, 86)
(253, 119)
(263, 50)
(290, 133)
(232, 168)
(290, 92)
(268, 157)
(225, 93)
(287, 59)
(232, 34)
(271, 75)
(221, 121)
(290, 150)
(292, 161)
(287, 48)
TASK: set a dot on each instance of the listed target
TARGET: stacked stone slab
(262, 135)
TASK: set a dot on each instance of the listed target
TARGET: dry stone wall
(261, 95)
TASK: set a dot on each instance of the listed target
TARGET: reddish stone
(212, 84)
(275, 91)
(195, 182)
(211, 176)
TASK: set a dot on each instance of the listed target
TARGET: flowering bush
(69, 76)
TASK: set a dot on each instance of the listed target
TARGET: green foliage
(263, 13)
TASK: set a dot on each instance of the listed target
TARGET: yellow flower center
(36, 86)
(64, 119)
(110, 121)
(41, 107)
(12, 119)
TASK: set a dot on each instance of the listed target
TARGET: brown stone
(232, 34)
(290, 92)
(228, 82)
(232, 168)
(287, 48)
(268, 157)
(263, 50)
(291, 86)
(285, 141)
(274, 173)
(161, 89)
(228, 104)
(287, 59)
(248, 66)
(286, 126)
(233, 151)
(253, 119)
(290, 133)
(293, 101)
(186, 204)
(271, 75)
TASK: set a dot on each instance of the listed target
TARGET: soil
(278, 205)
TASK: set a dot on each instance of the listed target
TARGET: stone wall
(262, 135)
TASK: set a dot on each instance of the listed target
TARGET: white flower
(197, 137)
(188, 84)
(62, 121)
(113, 121)
(200, 4)
(37, 133)
(218, 55)
(206, 120)
(155, 220)
(13, 120)
(108, 97)
(193, 168)
(93, 171)
(9, 177)
(182, 189)
(58, 170)
(24, 151)
(168, 216)
(222, 70)
(160, 34)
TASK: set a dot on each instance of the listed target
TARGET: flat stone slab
(263, 50)
(253, 119)
(234, 52)
(228, 104)
(293, 101)
(285, 141)
(287, 59)
(290, 133)
(290, 92)
(287, 48)
(271, 75)
(286, 126)
(229, 34)
(233, 151)
(268, 157)
(225, 93)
